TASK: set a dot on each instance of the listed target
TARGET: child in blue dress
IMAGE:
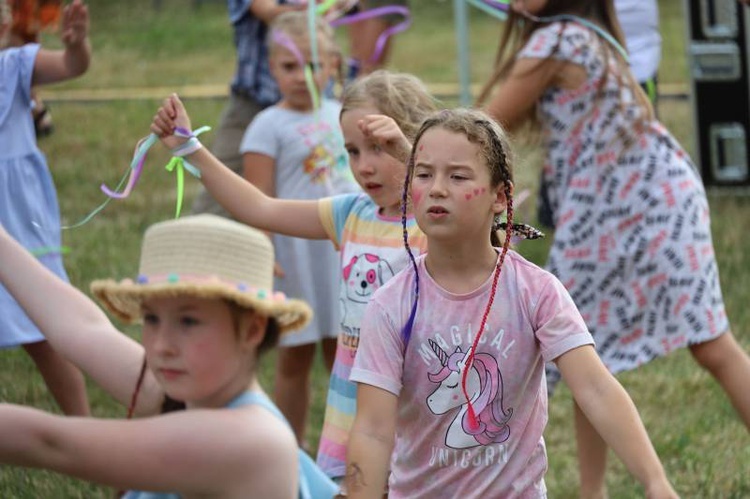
(28, 203)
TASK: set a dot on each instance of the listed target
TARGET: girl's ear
(501, 198)
(252, 329)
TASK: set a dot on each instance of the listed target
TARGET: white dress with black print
(633, 242)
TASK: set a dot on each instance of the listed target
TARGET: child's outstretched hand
(171, 114)
(384, 131)
(75, 24)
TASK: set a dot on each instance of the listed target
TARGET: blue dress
(28, 202)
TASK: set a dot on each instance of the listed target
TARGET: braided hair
(494, 149)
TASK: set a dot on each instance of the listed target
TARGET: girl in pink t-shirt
(452, 395)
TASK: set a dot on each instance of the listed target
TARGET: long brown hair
(519, 28)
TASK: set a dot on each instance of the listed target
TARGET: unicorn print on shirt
(484, 385)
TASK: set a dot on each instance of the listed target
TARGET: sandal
(42, 122)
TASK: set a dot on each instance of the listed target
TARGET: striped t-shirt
(372, 251)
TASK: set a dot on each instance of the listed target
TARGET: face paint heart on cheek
(416, 196)
(475, 192)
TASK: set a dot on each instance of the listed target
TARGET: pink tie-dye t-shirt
(437, 453)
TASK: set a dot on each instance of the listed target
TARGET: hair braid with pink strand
(494, 148)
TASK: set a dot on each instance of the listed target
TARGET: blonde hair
(400, 96)
(294, 24)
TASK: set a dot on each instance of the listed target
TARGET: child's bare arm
(76, 327)
(260, 170)
(242, 199)
(198, 452)
(612, 412)
(514, 98)
(370, 443)
(52, 66)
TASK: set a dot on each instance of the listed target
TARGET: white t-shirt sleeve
(260, 137)
(558, 323)
(380, 355)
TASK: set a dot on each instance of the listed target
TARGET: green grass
(704, 446)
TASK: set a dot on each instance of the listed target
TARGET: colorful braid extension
(473, 423)
(406, 331)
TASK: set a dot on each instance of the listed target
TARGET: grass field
(704, 446)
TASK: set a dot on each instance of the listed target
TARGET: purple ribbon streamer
(136, 169)
(379, 11)
(497, 5)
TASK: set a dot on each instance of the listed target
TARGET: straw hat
(209, 257)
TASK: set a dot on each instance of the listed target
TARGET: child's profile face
(289, 70)
(379, 174)
(451, 193)
(193, 350)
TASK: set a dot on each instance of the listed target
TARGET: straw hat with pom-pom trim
(206, 256)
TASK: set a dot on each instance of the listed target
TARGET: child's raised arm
(612, 412)
(243, 200)
(514, 98)
(76, 327)
(52, 66)
(384, 131)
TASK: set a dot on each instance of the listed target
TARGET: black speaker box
(718, 57)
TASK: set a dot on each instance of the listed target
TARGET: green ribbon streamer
(178, 164)
(311, 7)
(311, 87)
(323, 7)
(50, 250)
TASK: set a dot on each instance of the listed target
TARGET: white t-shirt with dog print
(372, 251)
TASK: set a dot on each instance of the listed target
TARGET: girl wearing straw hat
(380, 114)
(204, 295)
